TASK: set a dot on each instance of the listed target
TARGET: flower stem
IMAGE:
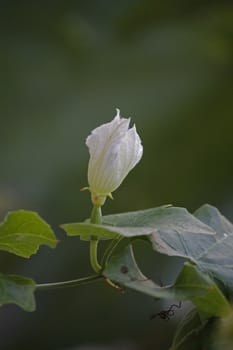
(93, 255)
(96, 215)
(96, 218)
(66, 284)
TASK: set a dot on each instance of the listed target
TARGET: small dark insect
(167, 314)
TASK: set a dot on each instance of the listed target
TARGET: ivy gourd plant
(204, 239)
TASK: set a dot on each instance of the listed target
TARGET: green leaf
(212, 253)
(187, 332)
(223, 336)
(17, 290)
(191, 284)
(140, 223)
(22, 232)
(86, 230)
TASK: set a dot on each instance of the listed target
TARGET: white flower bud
(114, 150)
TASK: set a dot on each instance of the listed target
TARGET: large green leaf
(191, 284)
(22, 232)
(87, 230)
(212, 253)
(145, 222)
(17, 290)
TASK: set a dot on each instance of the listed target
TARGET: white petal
(106, 134)
(114, 151)
(131, 150)
(101, 144)
(129, 154)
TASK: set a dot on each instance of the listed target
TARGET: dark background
(64, 67)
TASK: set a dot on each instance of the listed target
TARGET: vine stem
(71, 283)
(96, 218)
(93, 255)
(96, 215)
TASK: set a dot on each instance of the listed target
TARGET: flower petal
(108, 133)
(114, 151)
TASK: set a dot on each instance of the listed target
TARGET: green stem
(96, 218)
(72, 283)
(93, 255)
(96, 215)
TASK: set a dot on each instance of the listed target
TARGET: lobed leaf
(140, 223)
(212, 253)
(17, 290)
(87, 230)
(22, 232)
(191, 284)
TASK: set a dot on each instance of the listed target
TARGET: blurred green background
(65, 66)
